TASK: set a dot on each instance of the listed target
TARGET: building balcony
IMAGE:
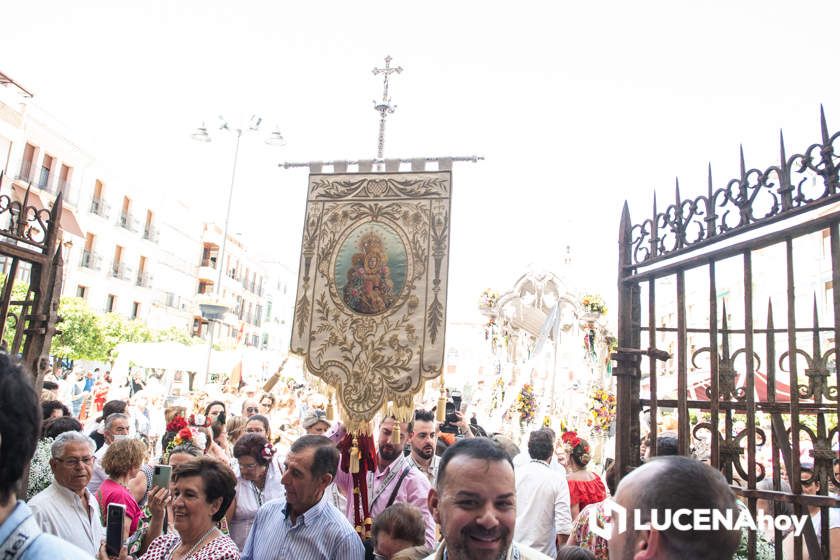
(127, 221)
(121, 271)
(144, 280)
(90, 260)
(207, 271)
(100, 208)
(151, 233)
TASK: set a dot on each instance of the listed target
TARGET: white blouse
(249, 499)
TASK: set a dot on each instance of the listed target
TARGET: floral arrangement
(573, 445)
(602, 411)
(176, 424)
(40, 473)
(488, 299)
(526, 404)
(267, 451)
(184, 435)
(593, 304)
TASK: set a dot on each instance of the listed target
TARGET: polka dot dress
(220, 548)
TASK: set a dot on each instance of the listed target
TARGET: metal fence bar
(682, 370)
(715, 368)
(751, 428)
(794, 473)
(654, 408)
(770, 357)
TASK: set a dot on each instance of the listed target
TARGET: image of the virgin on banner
(370, 309)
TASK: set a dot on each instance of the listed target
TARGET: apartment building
(127, 249)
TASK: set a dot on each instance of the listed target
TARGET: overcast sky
(576, 106)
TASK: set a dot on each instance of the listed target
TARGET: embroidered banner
(371, 299)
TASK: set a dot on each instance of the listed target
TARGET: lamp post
(215, 309)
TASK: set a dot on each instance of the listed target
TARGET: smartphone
(114, 529)
(163, 473)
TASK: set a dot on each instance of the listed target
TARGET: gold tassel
(330, 408)
(354, 456)
(395, 435)
(440, 416)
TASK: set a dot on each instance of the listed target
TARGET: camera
(453, 405)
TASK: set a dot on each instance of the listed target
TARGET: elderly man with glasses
(66, 508)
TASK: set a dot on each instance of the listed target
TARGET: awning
(69, 223)
(33, 200)
(699, 381)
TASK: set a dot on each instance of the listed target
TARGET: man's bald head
(673, 483)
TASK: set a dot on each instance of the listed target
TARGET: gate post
(46, 285)
(627, 368)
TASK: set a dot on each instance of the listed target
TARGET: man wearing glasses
(250, 408)
(66, 508)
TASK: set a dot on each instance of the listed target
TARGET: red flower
(178, 423)
(570, 437)
(185, 434)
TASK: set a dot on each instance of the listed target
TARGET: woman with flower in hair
(584, 487)
(258, 482)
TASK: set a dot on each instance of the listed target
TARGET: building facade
(128, 249)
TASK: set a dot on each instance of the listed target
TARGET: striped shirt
(321, 533)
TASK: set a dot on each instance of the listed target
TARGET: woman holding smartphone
(203, 489)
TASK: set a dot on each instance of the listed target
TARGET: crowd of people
(263, 478)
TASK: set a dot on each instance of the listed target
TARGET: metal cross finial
(384, 107)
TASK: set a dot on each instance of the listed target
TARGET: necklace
(258, 493)
(194, 547)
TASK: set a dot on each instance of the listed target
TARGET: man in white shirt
(543, 517)
(117, 426)
(523, 458)
(66, 508)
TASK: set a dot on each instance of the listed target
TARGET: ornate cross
(384, 107)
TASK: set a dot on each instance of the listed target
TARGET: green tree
(81, 335)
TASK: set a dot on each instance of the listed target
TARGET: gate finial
(824, 127)
(770, 326)
(782, 151)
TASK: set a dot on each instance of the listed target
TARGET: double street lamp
(215, 309)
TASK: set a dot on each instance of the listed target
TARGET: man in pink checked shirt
(393, 472)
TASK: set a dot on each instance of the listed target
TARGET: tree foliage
(80, 336)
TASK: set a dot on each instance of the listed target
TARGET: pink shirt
(113, 493)
(413, 490)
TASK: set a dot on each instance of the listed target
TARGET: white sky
(576, 106)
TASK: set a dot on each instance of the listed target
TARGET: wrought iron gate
(729, 317)
(31, 249)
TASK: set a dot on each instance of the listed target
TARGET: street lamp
(215, 309)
